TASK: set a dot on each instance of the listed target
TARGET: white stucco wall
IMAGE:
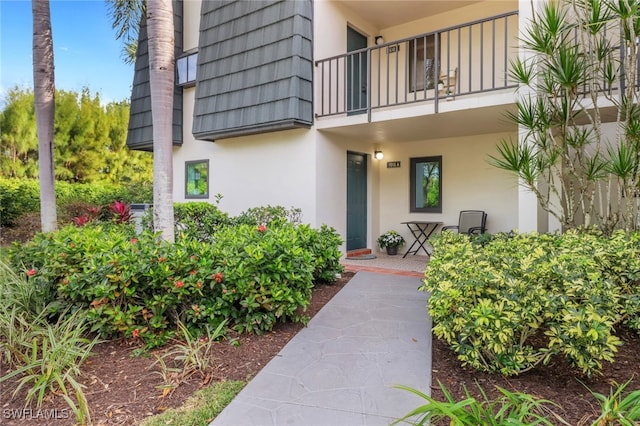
(330, 21)
(191, 33)
(190, 150)
(468, 183)
(276, 168)
(269, 169)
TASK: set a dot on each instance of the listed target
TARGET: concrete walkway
(341, 369)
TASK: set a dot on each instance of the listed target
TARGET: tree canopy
(89, 142)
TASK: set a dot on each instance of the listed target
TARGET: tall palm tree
(44, 92)
(126, 16)
(161, 79)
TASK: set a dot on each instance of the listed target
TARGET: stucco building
(287, 103)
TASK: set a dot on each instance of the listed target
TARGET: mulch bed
(556, 382)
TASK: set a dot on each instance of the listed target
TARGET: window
(421, 62)
(196, 179)
(186, 68)
(426, 185)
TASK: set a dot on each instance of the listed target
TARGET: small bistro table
(421, 231)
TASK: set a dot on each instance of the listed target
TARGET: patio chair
(469, 222)
(447, 83)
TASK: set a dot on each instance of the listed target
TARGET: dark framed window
(186, 69)
(426, 185)
(422, 72)
(196, 182)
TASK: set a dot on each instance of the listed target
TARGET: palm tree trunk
(161, 81)
(44, 92)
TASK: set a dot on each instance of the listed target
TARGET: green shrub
(324, 244)
(510, 302)
(138, 286)
(17, 197)
(267, 275)
(201, 220)
(269, 215)
(198, 220)
(193, 220)
(20, 196)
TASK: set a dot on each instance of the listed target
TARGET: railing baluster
(506, 53)
(397, 92)
(379, 71)
(322, 87)
(436, 66)
(493, 54)
(481, 56)
(459, 55)
(423, 70)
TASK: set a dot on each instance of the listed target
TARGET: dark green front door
(356, 201)
(356, 73)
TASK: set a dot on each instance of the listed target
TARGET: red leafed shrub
(120, 211)
(91, 215)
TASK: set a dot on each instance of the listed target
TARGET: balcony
(422, 71)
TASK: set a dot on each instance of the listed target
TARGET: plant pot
(392, 251)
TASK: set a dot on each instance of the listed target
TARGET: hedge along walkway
(341, 369)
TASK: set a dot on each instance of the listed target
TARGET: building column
(528, 208)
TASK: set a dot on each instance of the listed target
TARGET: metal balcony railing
(457, 61)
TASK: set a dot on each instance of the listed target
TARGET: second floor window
(422, 70)
(186, 69)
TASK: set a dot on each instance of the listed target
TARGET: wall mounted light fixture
(378, 155)
(379, 40)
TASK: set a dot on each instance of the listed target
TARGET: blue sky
(86, 52)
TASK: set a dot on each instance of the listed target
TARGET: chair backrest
(470, 219)
(449, 80)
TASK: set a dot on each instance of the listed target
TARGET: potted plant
(391, 240)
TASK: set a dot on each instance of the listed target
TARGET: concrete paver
(341, 368)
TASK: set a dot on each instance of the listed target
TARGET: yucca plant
(576, 66)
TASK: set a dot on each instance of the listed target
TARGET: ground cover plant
(42, 356)
(620, 407)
